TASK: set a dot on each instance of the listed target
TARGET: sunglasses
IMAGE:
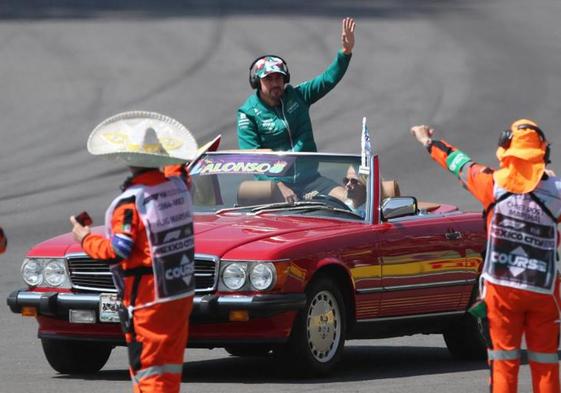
(351, 180)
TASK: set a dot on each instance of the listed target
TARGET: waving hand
(348, 35)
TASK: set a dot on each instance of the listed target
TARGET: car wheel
(318, 334)
(248, 350)
(464, 341)
(76, 357)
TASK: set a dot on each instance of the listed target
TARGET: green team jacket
(287, 127)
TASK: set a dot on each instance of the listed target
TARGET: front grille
(94, 275)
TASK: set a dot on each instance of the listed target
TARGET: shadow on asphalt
(84, 9)
(360, 363)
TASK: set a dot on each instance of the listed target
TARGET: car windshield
(250, 183)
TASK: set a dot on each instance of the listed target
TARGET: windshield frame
(319, 155)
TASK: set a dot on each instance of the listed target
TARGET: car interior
(216, 191)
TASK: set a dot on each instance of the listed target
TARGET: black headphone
(254, 79)
(506, 138)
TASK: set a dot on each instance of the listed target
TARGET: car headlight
(262, 276)
(32, 272)
(234, 275)
(45, 272)
(55, 272)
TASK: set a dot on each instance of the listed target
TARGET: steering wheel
(331, 201)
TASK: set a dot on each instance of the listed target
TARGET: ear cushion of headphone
(505, 138)
(253, 79)
(546, 157)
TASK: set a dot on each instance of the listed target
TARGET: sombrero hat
(142, 139)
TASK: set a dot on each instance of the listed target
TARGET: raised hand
(422, 133)
(79, 232)
(348, 35)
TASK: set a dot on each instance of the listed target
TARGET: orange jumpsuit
(3, 241)
(511, 311)
(156, 335)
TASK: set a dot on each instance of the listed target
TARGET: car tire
(464, 341)
(316, 344)
(248, 350)
(76, 357)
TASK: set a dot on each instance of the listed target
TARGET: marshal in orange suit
(149, 243)
(522, 205)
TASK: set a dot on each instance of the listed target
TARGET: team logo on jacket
(292, 106)
(268, 124)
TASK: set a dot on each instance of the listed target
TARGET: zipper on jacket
(285, 120)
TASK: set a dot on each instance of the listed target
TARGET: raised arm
(319, 86)
(476, 178)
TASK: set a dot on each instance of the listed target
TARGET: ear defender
(546, 158)
(254, 79)
(505, 138)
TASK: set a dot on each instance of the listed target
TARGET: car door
(365, 265)
(469, 234)
(423, 263)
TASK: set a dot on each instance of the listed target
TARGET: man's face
(272, 86)
(356, 190)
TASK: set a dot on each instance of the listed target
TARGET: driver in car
(277, 116)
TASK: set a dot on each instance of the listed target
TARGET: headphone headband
(535, 129)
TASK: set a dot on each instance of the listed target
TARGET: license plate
(108, 307)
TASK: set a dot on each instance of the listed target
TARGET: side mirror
(399, 207)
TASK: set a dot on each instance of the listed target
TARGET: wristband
(456, 160)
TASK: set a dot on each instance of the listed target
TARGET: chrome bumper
(210, 307)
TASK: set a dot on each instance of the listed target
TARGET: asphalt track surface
(467, 67)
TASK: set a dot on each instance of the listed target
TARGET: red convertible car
(288, 279)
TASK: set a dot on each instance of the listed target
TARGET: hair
(362, 178)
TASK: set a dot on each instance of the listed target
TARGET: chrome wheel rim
(323, 326)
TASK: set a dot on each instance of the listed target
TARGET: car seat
(258, 192)
(390, 189)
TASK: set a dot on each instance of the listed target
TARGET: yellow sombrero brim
(120, 138)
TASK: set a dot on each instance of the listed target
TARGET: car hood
(214, 234)
(218, 234)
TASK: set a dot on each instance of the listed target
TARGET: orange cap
(522, 163)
